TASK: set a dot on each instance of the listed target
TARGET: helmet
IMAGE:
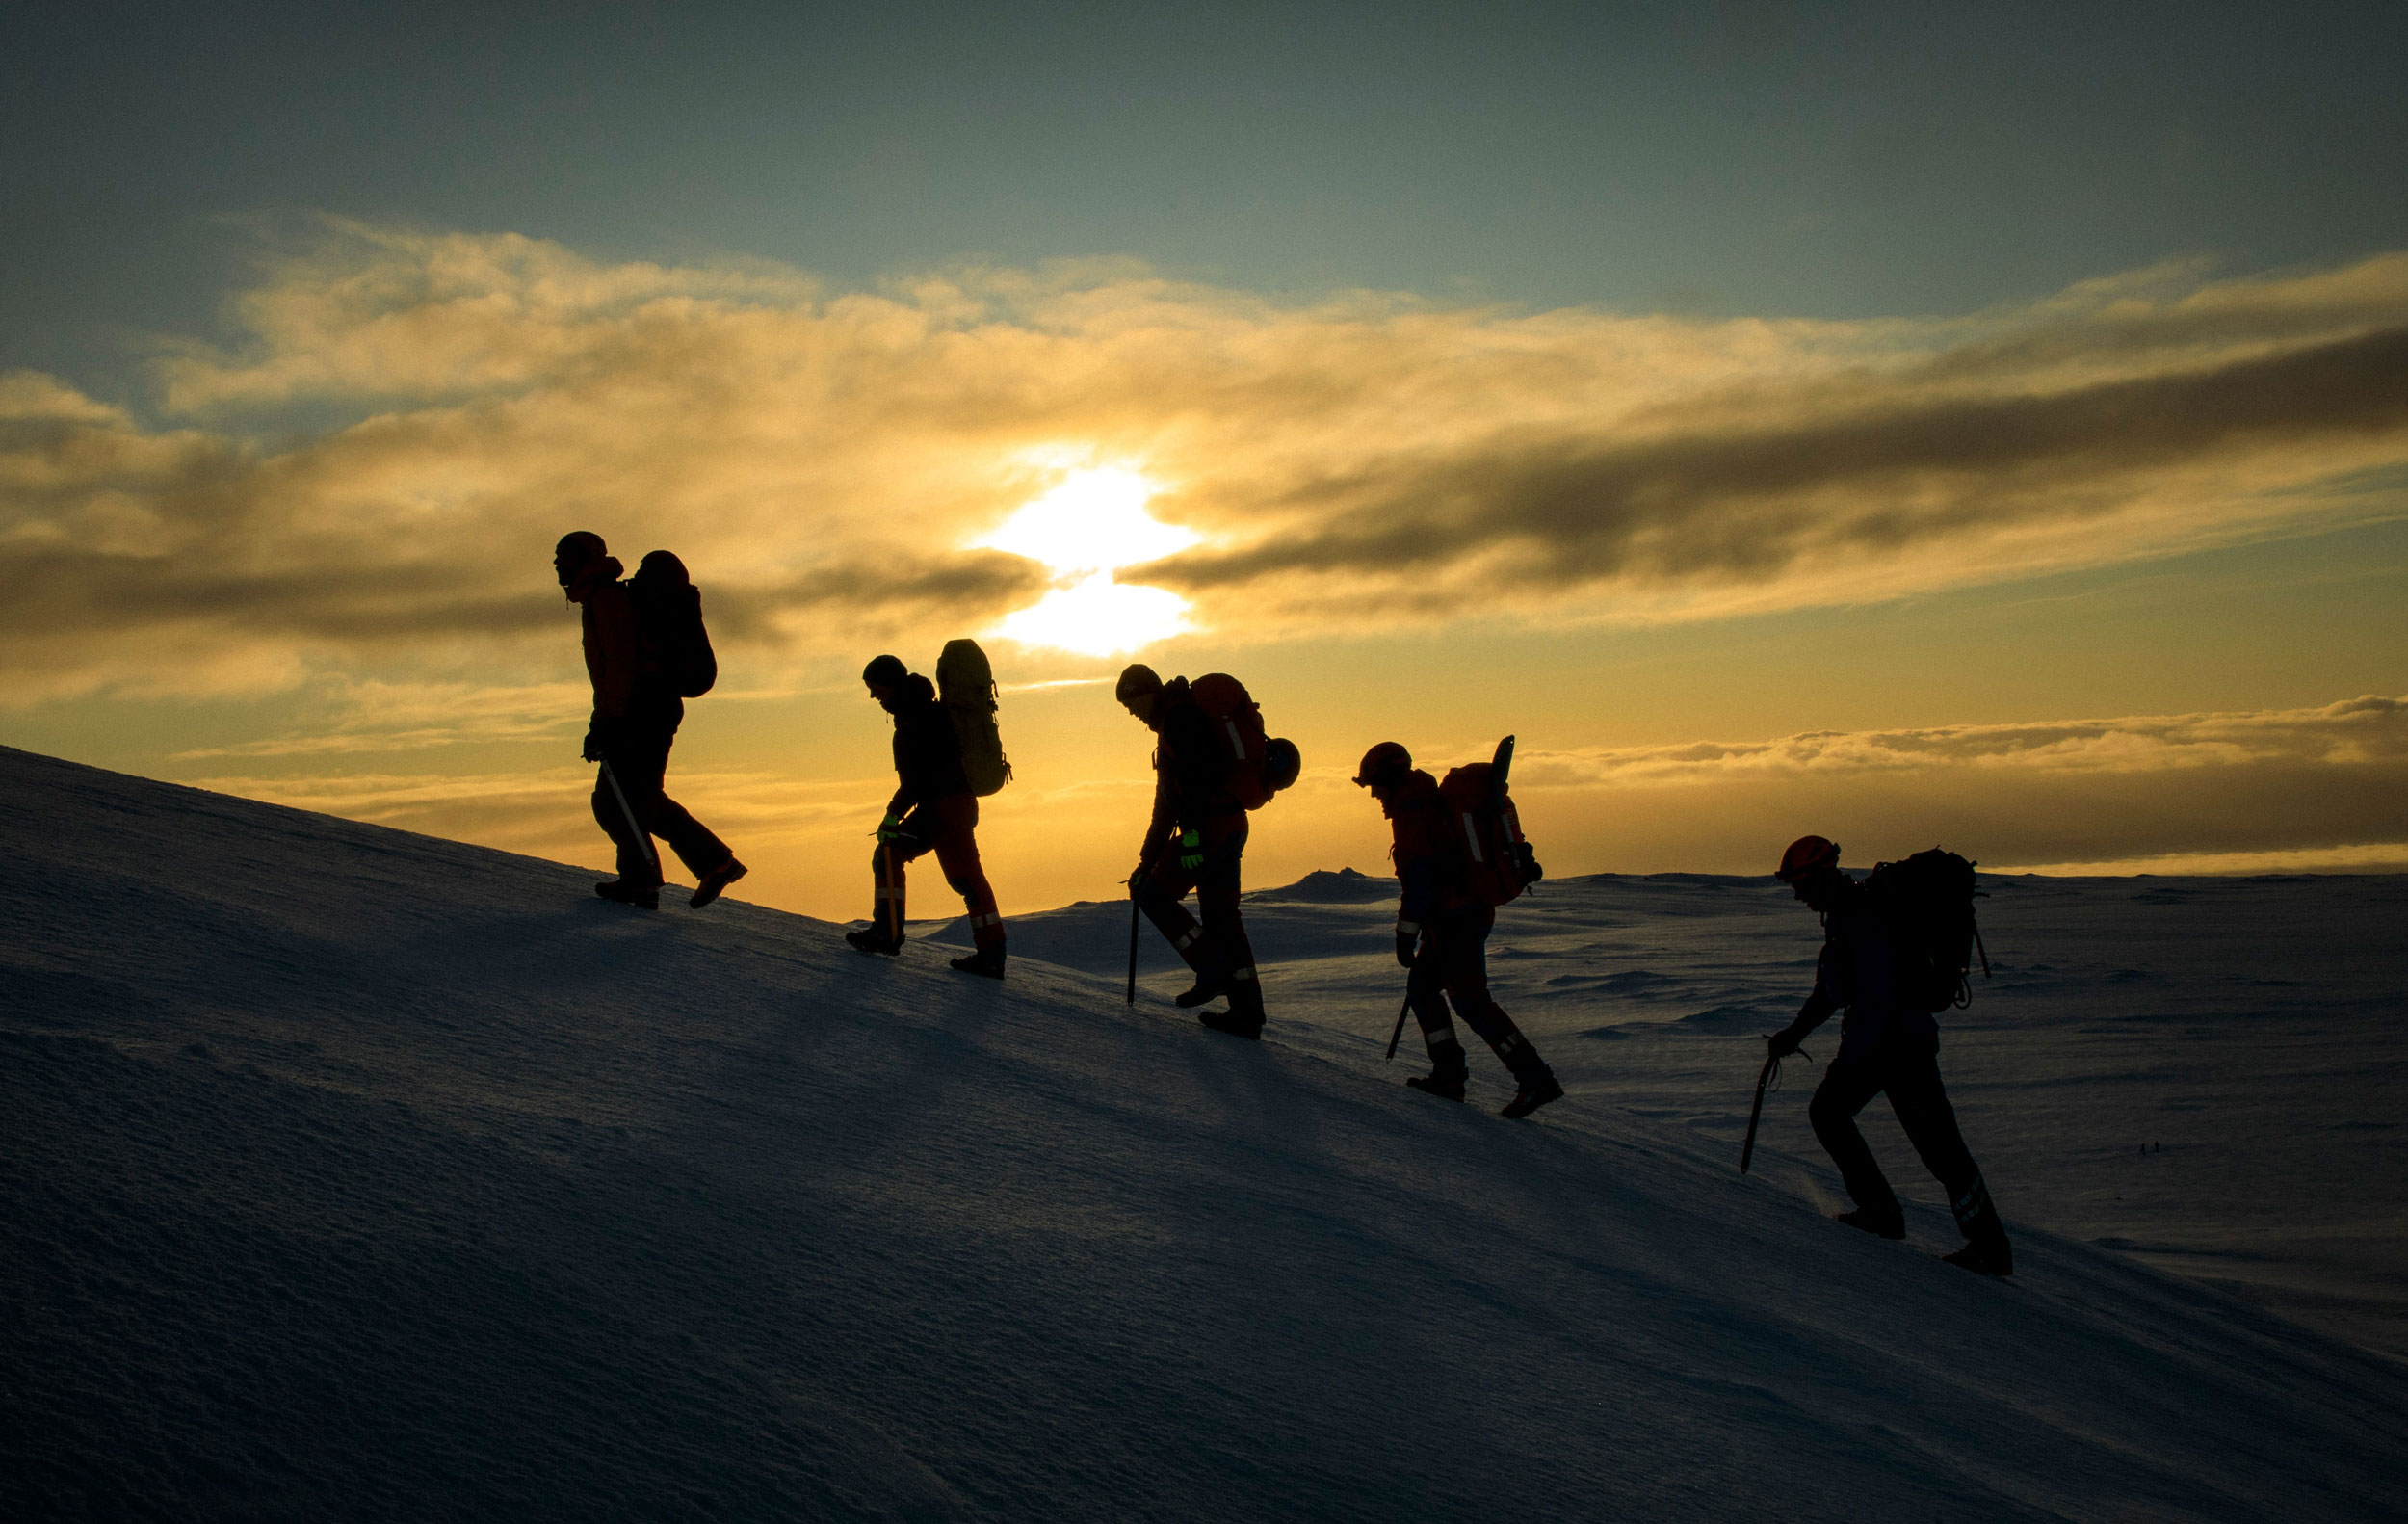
(1805, 855)
(1382, 763)
(578, 544)
(885, 671)
(1136, 679)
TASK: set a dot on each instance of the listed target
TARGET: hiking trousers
(1453, 964)
(948, 827)
(639, 759)
(1909, 1074)
(1217, 946)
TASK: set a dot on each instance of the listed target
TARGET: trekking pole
(1135, 908)
(1769, 1075)
(1397, 1035)
(643, 838)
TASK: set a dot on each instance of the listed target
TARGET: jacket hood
(600, 571)
(912, 689)
(1418, 791)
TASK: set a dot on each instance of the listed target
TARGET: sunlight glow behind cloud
(1091, 522)
(1098, 617)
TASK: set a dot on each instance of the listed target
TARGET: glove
(1190, 852)
(891, 828)
(601, 737)
(1784, 1041)
(1407, 943)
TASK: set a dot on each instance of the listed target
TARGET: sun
(1089, 523)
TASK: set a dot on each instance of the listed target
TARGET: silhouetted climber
(636, 710)
(1886, 1044)
(932, 810)
(1194, 840)
(1442, 935)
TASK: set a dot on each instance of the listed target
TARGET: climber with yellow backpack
(947, 756)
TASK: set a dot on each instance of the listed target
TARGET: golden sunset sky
(1908, 426)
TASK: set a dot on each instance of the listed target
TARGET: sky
(1910, 424)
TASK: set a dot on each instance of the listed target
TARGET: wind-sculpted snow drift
(353, 1174)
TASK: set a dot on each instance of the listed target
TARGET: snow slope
(351, 1173)
(2246, 1032)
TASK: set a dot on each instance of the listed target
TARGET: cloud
(823, 461)
(351, 717)
(1884, 479)
(2382, 856)
(2365, 731)
(2288, 789)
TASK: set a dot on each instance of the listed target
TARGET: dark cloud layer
(1746, 502)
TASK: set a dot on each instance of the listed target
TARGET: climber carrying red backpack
(1212, 764)
(1460, 855)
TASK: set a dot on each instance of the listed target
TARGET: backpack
(967, 685)
(670, 637)
(1926, 905)
(1258, 766)
(1481, 833)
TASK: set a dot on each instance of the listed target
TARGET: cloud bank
(2264, 790)
(2369, 731)
(823, 461)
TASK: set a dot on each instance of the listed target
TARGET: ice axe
(1769, 1075)
(1136, 879)
(643, 838)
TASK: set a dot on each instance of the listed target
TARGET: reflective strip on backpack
(1237, 742)
(1470, 833)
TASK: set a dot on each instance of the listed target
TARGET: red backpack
(1238, 725)
(1482, 835)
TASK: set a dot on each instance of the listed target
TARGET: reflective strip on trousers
(1971, 1204)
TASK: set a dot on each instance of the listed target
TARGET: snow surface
(2247, 1033)
(348, 1173)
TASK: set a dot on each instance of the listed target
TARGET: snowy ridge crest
(352, 1174)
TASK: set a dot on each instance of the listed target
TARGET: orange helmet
(1805, 855)
(1383, 762)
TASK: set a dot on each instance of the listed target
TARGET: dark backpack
(967, 684)
(1481, 833)
(670, 637)
(1926, 905)
(1259, 764)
